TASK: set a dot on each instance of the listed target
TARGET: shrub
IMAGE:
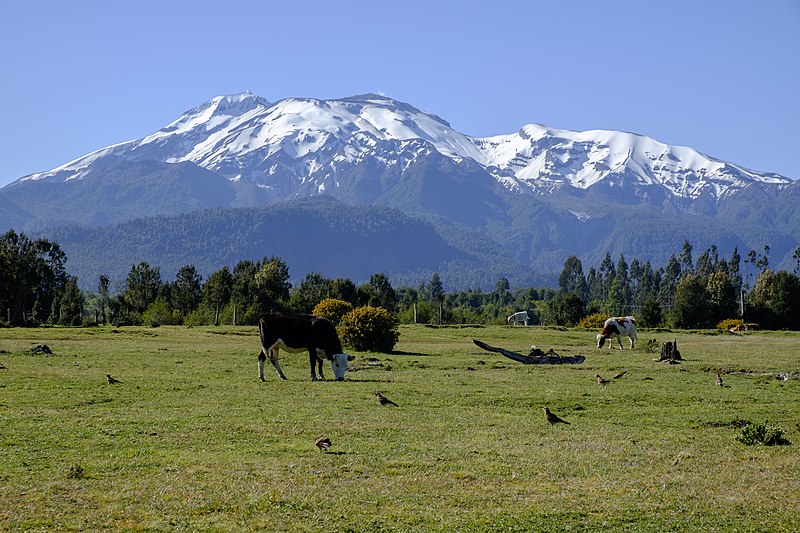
(202, 316)
(593, 321)
(158, 314)
(369, 329)
(332, 309)
(728, 323)
(765, 434)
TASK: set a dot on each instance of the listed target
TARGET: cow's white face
(339, 365)
(600, 340)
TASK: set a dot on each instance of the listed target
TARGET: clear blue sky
(721, 76)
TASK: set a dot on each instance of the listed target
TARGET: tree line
(685, 293)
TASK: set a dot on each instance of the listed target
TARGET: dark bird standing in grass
(112, 381)
(617, 376)
(552, 418)
(601, 381)
(719, 379)
(323, 443)
(384, 400)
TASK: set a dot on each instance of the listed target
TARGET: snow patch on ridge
(245, 137)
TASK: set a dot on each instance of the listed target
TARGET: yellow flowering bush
(728, 323)
(593, 321)
(332, 309)
(369, 329)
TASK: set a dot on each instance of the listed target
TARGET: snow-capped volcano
(497, 206)
(307, 145)
(246, 137)
(543, 158)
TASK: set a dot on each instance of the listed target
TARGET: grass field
(191, 440)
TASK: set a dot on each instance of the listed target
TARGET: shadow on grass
(398, 352)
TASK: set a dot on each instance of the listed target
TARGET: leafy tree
(646, 285)
(594, 283)
(435, 288)
(721, 296)
(776, 300)
(273, 283)
(343, 289)
(69, 304)
(651, 315)
(158, 313)
(378, 293)
(571, 278)
(217, 291)
(142, 288)
(607, 273)
(670, 280)
(501, 290)
(312, 290)
(104, 297)
(686, 259)
(187, 291)
(563, 310)
(704, 265)
(692, 308)
(31, 275)
(734, 267)
(246, 298)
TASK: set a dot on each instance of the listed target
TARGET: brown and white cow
(301, 333)
(617, 327)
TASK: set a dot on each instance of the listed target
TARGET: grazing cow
(618, 327)
(516, 318)
(300, 333)
(747, 326)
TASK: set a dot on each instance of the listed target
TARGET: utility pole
(741, 302)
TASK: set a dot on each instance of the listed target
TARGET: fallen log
(535, 357)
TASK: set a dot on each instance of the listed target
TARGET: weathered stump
(670, 352)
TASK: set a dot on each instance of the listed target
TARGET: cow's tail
(261, 337)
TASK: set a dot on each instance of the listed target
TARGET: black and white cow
(520, 316)
(301, 333)
(616, 328)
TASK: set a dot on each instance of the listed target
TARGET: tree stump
(670, 352)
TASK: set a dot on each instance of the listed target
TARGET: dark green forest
(689, 291)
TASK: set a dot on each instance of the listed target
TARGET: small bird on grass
(384, 400)
(617, 376)
(3, 367)
(112, 381)
(553, 418)
(323, 443)
(601, 381)
(719, 379)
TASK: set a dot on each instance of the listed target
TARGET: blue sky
(720, 76)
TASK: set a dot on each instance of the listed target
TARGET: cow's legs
(273, 358)
(314, 360)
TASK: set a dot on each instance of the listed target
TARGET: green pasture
(191, 440)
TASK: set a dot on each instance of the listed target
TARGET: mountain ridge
(533, 196)
(229, 133)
